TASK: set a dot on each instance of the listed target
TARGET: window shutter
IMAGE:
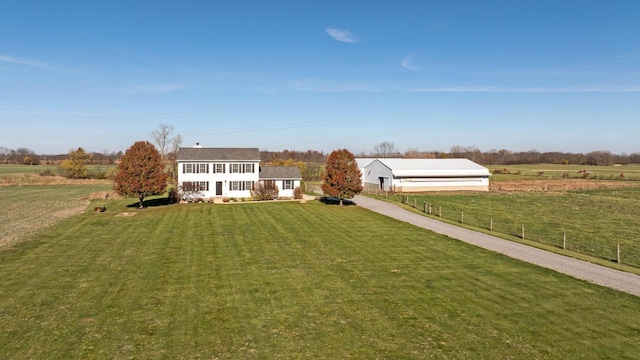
(207, 186)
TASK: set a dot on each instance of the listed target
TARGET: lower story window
(195, 186)
(287, 184)
(240, 185)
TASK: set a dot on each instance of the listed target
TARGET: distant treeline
(24, 156)
(309, 156)
(492, 157)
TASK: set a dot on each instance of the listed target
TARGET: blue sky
(518, 75)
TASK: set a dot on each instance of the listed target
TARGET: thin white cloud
(341, 35)
(19, 61)
(490, 89)
(159, 88)
(407, 63)
(323, 86)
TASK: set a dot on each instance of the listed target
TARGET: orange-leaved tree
(342, 177)
(140, 172)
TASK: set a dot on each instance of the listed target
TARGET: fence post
(424, 206)
(429, 208)
(440, 211)
(461, 217)
(618, 253)
(522, 231)
(491, 224)
(564, 240)
(414, 203)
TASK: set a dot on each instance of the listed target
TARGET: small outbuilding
(418, 175)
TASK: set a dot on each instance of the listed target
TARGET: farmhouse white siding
(219, 172)
(230, 172)
(416, 175)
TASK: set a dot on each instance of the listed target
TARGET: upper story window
(242, 168)
(219, 168)
(195, 168)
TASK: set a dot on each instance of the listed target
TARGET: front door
(218, 187)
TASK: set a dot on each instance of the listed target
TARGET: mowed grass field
(286, 281)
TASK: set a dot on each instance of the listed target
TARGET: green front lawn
(290, 280)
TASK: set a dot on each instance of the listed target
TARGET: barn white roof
(433, 167)
(363, 162)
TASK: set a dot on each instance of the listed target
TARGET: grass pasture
(594, 221)
(13, 170)
(558, 171)
(290, 280)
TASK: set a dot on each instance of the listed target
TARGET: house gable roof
(279, 173)
(433, 167)
(218, 154)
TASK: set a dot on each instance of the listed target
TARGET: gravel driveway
(579, 269)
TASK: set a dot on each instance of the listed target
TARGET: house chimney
(197, 145)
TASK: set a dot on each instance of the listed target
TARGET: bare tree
(162, 138)
(176, 141)
(168, 145)
(384, 149)
(457, 151)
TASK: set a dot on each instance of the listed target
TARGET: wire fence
(549, 233)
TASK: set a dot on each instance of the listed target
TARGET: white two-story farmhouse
(230, 172)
